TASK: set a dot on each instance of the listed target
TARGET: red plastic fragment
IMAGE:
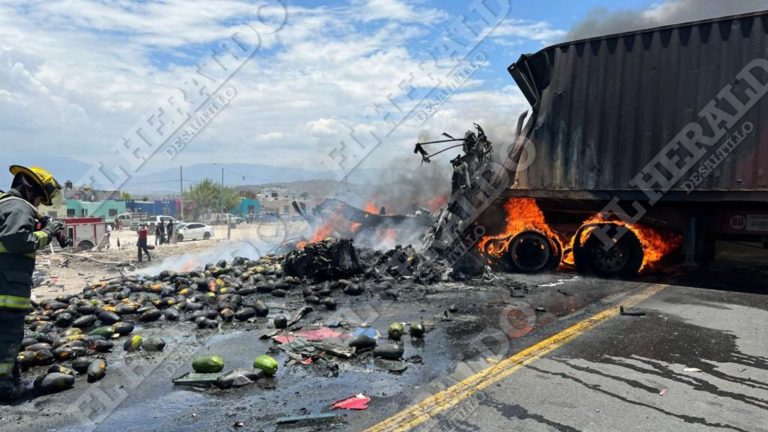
(357, 402)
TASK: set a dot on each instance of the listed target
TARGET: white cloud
(269, 136)
(515, 31)
(74, 85)
(324, 127)
(397, 10)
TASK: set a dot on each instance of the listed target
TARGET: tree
(207, 196)
(125, 196)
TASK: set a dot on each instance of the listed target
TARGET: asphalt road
(539, 352)
(697, 360)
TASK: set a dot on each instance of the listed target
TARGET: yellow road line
(430, 407)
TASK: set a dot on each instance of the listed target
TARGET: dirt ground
(65, 272)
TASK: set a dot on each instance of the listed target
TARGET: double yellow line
(432, 406)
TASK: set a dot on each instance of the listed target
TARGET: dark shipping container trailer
(671, 121)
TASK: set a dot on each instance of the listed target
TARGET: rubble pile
(73, 334)
(329, 259)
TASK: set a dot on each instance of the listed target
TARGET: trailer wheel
(85, 245)
(207, 236)
(179, 237)
(532, 252)
(623, 259)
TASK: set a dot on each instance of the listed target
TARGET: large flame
(522, 214)
(333, 226)
(337, 226)
(656, 244)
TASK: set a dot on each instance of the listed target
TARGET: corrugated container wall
(604, 107)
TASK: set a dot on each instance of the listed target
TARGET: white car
(194, 231)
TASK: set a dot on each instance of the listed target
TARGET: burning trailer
(641, 147)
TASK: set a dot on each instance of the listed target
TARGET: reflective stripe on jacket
(18, 243)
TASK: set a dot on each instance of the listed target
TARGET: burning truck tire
(532, 252)
(623, 259)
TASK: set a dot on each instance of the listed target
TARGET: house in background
(106, 209)
(57, 210)
(248, 206)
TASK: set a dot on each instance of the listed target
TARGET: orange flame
(337, 225)
(523, 214)
(322, 232)
(656, 245)
(370, 207)
(436, 203)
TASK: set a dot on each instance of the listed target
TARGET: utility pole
(181, 190)
(221, 197)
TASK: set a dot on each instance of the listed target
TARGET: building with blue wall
(106, 209)
(247, 206)
(166, 207)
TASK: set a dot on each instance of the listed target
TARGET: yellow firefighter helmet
(42, 178)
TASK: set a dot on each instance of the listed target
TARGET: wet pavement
(626, 374)
(697, 360)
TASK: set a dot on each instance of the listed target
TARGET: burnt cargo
(604, 108)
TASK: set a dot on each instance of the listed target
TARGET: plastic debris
(335, 347)
(367, 331)
(197, 379)
(357, 402)
(310, 335)
(311, 418)
(238, 378)
(231, 379)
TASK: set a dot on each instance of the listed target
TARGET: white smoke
(251, 249)
(601, 22)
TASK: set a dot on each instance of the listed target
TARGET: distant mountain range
(234, 175)
(64, 168)
(167, 181)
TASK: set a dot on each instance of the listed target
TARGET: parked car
(124, 219)
(194, 231)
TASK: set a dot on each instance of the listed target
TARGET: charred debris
(81, 334)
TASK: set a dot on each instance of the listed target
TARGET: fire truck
(86, 232)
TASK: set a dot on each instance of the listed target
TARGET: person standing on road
(142, 244)
(19, 241)
(169, 231)
(159, 234)
(108, 234)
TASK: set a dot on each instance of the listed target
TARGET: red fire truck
(86, 232)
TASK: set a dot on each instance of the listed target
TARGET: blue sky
(77, 75)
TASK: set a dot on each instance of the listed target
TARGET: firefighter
(19, 240)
